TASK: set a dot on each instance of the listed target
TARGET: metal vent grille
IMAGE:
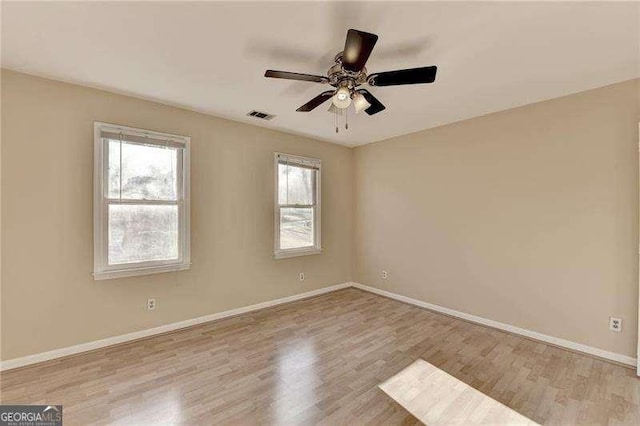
(261, 115)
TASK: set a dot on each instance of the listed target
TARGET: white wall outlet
(615, 324)
(151, 304)
(301, 276)
(384, 274)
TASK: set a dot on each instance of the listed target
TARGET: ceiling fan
(348, 74)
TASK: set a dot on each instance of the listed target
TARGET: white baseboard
(579, 347)
(110, 341)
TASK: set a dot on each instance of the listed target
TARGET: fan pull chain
(335, 116)
(346, 118)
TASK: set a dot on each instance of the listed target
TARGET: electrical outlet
(301, 276)
(615, 324)
(151, 304)
(384, 274)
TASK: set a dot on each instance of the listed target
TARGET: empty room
(319, 212)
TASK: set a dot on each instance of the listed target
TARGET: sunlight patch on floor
(437, 398)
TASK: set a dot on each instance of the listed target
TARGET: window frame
(279, 253)
(101, 268)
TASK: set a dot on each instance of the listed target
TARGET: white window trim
(101, 269)
(317, 248)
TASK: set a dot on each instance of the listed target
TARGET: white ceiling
(211, 56)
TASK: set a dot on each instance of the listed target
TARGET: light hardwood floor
(439, 399)
(321, 360)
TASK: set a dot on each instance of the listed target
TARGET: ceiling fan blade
(376, 105)
(357, 49)
(400, 77)
(316, 102)
(296, 76)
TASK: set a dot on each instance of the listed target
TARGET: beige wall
(528, 216)
(49, 299)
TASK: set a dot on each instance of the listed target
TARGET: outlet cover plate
(615, 324)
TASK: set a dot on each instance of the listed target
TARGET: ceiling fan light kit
(349, 73)
(342, 98)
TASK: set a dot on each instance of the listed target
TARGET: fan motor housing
(338, 75)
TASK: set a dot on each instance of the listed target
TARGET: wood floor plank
(319, 361)
(437, 398)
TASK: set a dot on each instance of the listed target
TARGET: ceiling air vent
(261, 115)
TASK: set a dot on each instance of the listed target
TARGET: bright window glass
(297, 206)
(142, 233)
(141, 208)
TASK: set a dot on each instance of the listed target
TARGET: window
(141, 202)
(297, 214)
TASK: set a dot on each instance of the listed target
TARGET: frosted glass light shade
(360, 103)
(342, 98)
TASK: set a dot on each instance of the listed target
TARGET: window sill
(134, 272)
(296, 253)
